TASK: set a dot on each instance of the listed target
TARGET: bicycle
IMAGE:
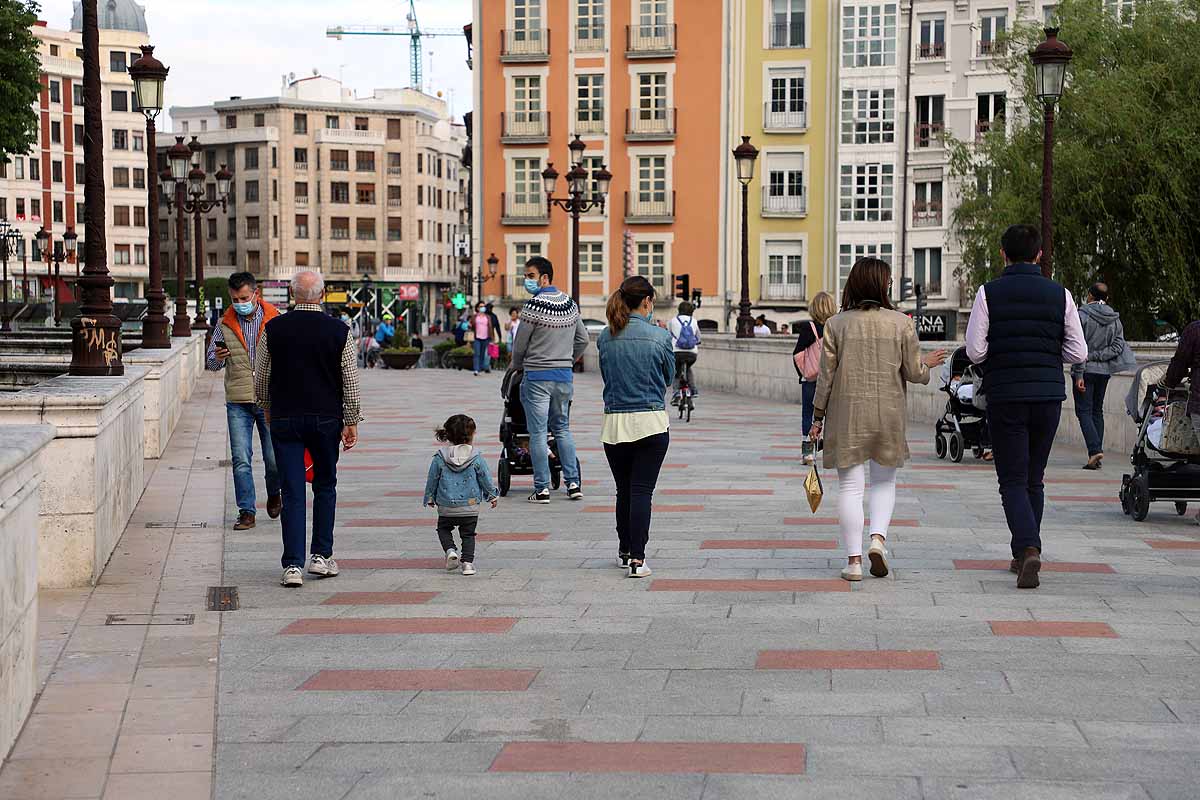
(684, 399)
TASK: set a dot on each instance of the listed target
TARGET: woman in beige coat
(870, 352)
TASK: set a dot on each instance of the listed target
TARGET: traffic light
(697, 297)
(683, 286)
(906, 288)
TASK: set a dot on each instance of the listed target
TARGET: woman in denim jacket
(637, 363)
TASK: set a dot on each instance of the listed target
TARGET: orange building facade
(643, 84)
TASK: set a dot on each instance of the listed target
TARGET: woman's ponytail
(621, 303)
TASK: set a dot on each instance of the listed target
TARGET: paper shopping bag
(813, 488)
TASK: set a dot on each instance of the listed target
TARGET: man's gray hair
(308, 287)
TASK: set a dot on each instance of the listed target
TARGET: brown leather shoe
(1031, 564)
(1014, 567)
(245, 521)
(274, 506)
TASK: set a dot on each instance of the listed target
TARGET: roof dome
(115, 15)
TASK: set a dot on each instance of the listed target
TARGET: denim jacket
(459, 482)
(638, 364)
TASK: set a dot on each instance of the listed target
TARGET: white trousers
(881, 502)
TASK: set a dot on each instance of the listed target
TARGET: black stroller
(963, 425)
(515, 458)
(1166, 456)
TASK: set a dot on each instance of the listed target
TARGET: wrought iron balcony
(788, 119)
(929, 134)
(776, 202)
(524, 127)
(525, 44)
(525, 209)
(927, 213)
(649, 208)
(787, 34)
(928, 51)
(649, 41)
(650, 124)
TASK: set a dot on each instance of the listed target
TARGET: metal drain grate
(150, 619)
(223, 598)
(176, 524)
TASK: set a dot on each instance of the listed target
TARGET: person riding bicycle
(685, 340)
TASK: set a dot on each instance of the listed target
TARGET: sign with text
(936, 326)
(408, 291)
(275, 293)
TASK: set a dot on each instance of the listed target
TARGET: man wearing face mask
(550, 339)
(232, 349)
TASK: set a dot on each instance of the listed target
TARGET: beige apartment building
(354, 187)
(44, 188)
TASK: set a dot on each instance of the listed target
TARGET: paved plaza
(744, 668)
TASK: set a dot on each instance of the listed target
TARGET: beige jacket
(867, 358)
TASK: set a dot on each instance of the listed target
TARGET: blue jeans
(808, 393)
(1089, 408)
(321, 436)
(482, 360)
(1022, 436)
(547, 410)
(242, 419)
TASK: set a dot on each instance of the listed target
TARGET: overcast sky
(218, 48)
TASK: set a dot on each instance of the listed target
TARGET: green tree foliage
(1126, 162)
(20, 77)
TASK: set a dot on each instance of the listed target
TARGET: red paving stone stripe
(419, 680)
(658, 509)
(1093, 630)
(1083, 498)
(848, 659)
(405, 493)
(768, 544)
(674, 466)
(1172, 544)
(896, 523)
(392, 563)
(652, 758)
(380, 598)
(512, 537)
(717, 492)
(422, 522)
(342, 626)
(747, 585)
(1047, 566)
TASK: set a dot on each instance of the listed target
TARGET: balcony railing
(985, 126)
(524, 127)
(927, 213)
(301, 166)
(649, 41)
(931, 50)
(779, 203)
(790, 292)
(650, 124)
(525, 44)
(929, 134)
(527, 209)
(589, 39)
(352, 137)
(788, 119)
(394, 202)
(649, 207)
(988, 48)
(785, 34)
(395, 172)
(586, 120)
(301, 201)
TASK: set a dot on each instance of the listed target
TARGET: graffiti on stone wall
(99, 340)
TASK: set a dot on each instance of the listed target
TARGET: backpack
(687, 339)
(808, 360)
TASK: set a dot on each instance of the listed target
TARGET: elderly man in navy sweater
(1023, 328)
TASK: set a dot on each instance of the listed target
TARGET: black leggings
(683, 368)
(466, 531)
(635, 467)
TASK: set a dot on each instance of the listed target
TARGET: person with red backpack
(806, 357)
(685, 341)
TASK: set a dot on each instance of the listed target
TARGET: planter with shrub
(401, 354)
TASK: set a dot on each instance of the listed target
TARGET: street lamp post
(1050, 59)
(55, 253)
(9, 236)
(149, 75)
(187, 180)
(575, 203)
(744, 155)
(492, 263)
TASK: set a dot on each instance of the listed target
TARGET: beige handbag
(1178, 434)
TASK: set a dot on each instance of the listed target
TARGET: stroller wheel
(939, 446)
(1126, 495)
(503, 477)
(1181, 508)
(956, 448)
(1139, 501)
(556, 477)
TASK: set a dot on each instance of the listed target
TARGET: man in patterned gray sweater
(550, 339)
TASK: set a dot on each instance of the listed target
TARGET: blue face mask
(244, 309)
(531, 285)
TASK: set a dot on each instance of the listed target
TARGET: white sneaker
(878, 558)
(324, 567)
(574, 492)
(468, 568)
(639, 570)
(292, 578)
(452, 560)
(623, 560)
(852, 572)
(541, 498)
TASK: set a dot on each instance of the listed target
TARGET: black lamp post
(575, 203)
(62, 251)
(9, 237)
(1050, 59)
(492, 263)
(744, 155)
(149, 75)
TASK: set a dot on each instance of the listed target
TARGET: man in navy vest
(1023, 328)
(306, 379)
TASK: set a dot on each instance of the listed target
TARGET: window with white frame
(650, 261)
(592, 164)
(527, 20)
(783, 184)
(784, 278)
(527, 102)
(652, 180)
(866, 192)
(591, 258)
(927, 270)
(992, 25)
(589, 103)
(989, 113)
(868, 116)
(869, 35)
(786, 105)
(787, 23)
(522, 252)
(848, 254)
(932, 43)
(652, 113)
(652, 17)
(527, 183)
(589, 25)
(927, 203)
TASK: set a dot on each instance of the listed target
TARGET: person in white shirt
(760, 326)
(685, 341)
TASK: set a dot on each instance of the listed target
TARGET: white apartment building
(351, 186)
(44, 188)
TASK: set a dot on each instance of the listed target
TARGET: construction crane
(412, 30)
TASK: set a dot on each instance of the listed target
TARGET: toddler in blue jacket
(458, 485)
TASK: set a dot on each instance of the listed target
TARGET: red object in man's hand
(308, 466)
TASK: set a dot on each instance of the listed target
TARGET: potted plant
(460, 358)
(401, 354)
